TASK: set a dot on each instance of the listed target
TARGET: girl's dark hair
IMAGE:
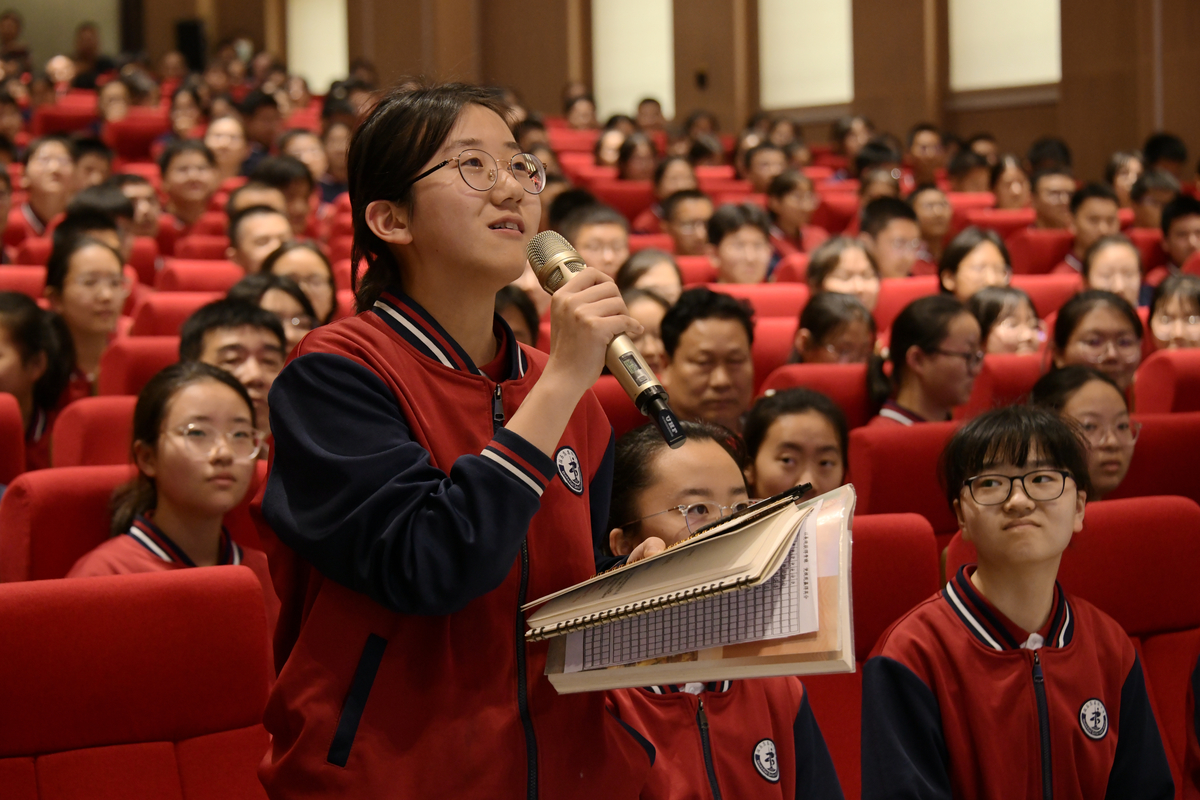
(1003, 162)
(252, 288)
(640, 263)
(787, 182)
(1008, 435)
(400, 135)
(962, 245)
(762, 416)
(270, 261)
(34, 332)
(63, 250)
(990, 304)
(1109, 240)
(661, 170)
(630, 146)
(825, 260)
(631, 296)
(1054, 389)
(1082, 304)
(1184, 286)
(633, 466)
(178, 148)
(924, 323)
(513, 296)
(824, 313)
(140, 494)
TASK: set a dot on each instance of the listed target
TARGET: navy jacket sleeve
(352, 493)
(1140, 768)
(903, 750)
(815, 775)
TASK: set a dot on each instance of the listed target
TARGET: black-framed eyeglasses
(697, 515)
(1041, 485)
(480, 170)
(973, 359)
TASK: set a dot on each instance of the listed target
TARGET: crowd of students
(200, 425)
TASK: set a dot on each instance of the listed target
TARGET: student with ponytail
(36, 359)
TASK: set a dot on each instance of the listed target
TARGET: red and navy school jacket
(429, 524)
(733, 739)
(959, 702)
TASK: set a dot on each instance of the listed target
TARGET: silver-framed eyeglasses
(972, 360)
(1125, 431)
(1041, 485)
(697, 515)
(480, 170)
(202, 440)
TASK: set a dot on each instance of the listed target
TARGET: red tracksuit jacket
(429, 525)
(736, 740)
(959, 702)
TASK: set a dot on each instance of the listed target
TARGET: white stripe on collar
(895, 415)
(394, 314)
(954, 598)
(150, 544)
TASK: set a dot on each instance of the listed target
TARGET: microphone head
(547, 252)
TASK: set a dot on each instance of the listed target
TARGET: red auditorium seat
(163, 313)
(342, 273)
(1037, 251)
(143, 257)
(644, 241)
(1169, 380)
(713, 186)
(131, 138)
(561, 139)
(835, 211)
(845, 384)
(791, 269)
(131, 361)
(201, 246)
(34, 250)
(740, 198)
(184, 275)
(93, 431)
(1002, 380)
(211, 223)
(896, 293)
(1049, 292)
(715, 172)
(882, 594)
(147, 170)
(963, 202)
(134, 686)
(27, 280)
(345, 304)
(621, 412)
(12, 439)
(1149, 243)
(1004, 221)
(341, 247)
(590, 172)
(62, 118)
(696, 270)
(343, 225)
(628, 197)
(817, 173)
(769, 299)
(774, 339)
(1166, 459)
(894, 469)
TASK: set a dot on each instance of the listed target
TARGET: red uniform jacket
(22, 223)
(959, 702)
(734, 739)
(430, 525)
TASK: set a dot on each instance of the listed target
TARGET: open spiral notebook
(765, 592)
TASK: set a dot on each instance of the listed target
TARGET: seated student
(195, 440)
(792, 437)
(599, 234)
(791, 201)
(283, 297)
(1094, 403)
(843, 265)
(260, 114)
(673, 174)
(1122, 171)
(186, 117)
(304, 263)
(975, 258)
(705, 734)
(705, 150)
(763, 163)
(637, 158)
(581, 113)
(608, 147)
(146, 206)
(290, 176)
(1150, 193)
(1048, 152)
(6, 197)
(970, 172)
(652, 271)
(740, 240)
(255, 233)
(519, 312)
(106, 204)
(834, 328)
(189, 181)
(934, 215)
(1167, 152)
(1052, 191)
(1100, 330)
(875, 182)
(1181, 230)
(878, 153)
(1010, 183)
(1002, 684)
(891, 235)
(685, 216)
(710, 371)
(253, 193)
(984, 144)
(648, 308)
(93, 163)
(1114, 264)
(336, 141)
(35, 366)
(925, 155)
(1093, 215)
(226, 138)
(49, 181)
(246, 341)
(87, 287)
(305, 146)
(1175, 312)
(850, 135)
(1008, 322)
(650, 115)
(935, 354)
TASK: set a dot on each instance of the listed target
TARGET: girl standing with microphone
(437, 476)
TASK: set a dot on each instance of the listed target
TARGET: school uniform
(811, 237)
(170, 230)
(1068, 266)
(733, 739)
(428, 524)
(892, 413)
(37, 439)
(649, 221)
(23, 223)
(958, 701)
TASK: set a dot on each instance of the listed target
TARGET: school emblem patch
(1093, 718)
(569, 470)
(766, 761)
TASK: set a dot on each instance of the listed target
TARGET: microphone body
(555, 261)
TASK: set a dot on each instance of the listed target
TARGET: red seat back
(143, 257)
(791, 269)
(1038, 250)
(131, 361)
(963, 202)
(896, 293)
(211, 223)
(696, 270)
(186, 275)
(645, 241)
(34, 250)
(1169, 380)
(27, 280)
(1003, 380)
(1166, 459)
(570, 139)
(1049, 292)
(93, 431)
(835, 211)
(1148, 241)
(128, 686)
(769, 299)
(131, 138)
(845, 384)
(628, 197)
(12, 439)
(202, 246)
(163, 313)
(62, 118)
(1004, 221)
(621, 412)
(774, 339)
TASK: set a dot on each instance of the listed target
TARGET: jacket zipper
(1039, 689)
(522, 689)
(709, 767)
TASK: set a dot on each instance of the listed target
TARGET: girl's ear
(803, 340)
(55, 298)
(914, 360)
(389, 221)
(1080, 504)
(750, 476)
(618, 544)
(962, 525)
(949, 281)
(146, 458)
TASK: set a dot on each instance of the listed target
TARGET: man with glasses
(891, 236)
(1052, 190)
(685, 218)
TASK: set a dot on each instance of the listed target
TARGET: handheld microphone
(554, 261)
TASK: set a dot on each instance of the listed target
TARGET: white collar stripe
(149, 544)
(1062, 635)
(895, 415)
(958, 603)
(415, 331)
